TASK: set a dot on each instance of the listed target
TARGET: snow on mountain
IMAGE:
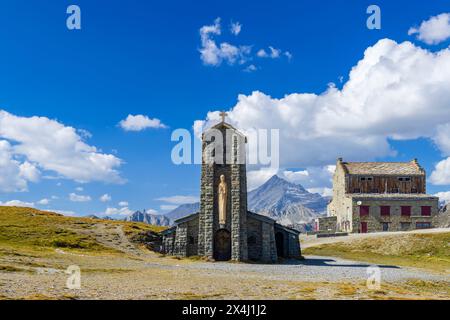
(155, 219)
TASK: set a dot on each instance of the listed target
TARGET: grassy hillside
(31, 229)
(429, 251)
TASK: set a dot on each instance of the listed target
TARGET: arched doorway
(279, 240)
(222, 245)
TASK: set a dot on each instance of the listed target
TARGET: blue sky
(143, 58)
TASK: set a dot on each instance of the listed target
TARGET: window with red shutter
(426, 211)
(406, 211)
(364, 210)
(385, 210)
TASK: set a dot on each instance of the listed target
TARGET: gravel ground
(140, 274)
(315, 268)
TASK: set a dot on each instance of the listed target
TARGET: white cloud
(442, 138)
(434, 30)
(311, 177)
(396, 91)
(273, 53)
(17, 203)
(235, 28)
(79, 189)
(441, 173)
(123, 203)
(14, 175)
(256, 178)
(262, 53)
(179, 199)
(318, 179)
(124, 211)
(214, 54)
(443, 196)
(44, 201)
(79, 198)
(105, 198)
(44, 144)
(251, 68)
(288, 55)
(140, 122)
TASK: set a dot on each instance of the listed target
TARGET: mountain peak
(284, 200)
(276, 180)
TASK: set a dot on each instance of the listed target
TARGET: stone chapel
(224, 229)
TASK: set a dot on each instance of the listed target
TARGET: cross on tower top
(223, 114)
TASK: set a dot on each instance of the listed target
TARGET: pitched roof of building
(383, 168)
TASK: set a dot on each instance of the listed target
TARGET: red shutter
(385, 210)
(364, 210)
(426, 211)
(406, 211)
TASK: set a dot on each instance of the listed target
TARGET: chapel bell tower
(223, 199)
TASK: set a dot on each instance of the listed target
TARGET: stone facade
(244, 235)
(326, 224)
(372, 197)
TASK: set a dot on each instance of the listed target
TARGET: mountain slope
(183, 210)
(30, 229)
(276, 194)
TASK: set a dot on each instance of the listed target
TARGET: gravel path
(315, 268)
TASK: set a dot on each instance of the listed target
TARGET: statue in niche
(222, 200)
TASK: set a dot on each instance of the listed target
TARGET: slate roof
(383, 168)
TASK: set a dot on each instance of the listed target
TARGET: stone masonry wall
(327, 224)
(254, 232)
(395, 220)
(180, 248)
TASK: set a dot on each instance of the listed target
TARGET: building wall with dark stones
(395, 220)
(247, 236)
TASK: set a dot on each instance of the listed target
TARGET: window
(364, 210)
(385, 226)
(426, 210)
(404, 179)
(385, 210)
(423, 225)
(191, 240)
(365, 178)
(406, 211)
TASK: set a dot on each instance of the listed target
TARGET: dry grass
(427, 251)
(27, 231)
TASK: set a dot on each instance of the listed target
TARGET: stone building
(224, 229)
(381, 196)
